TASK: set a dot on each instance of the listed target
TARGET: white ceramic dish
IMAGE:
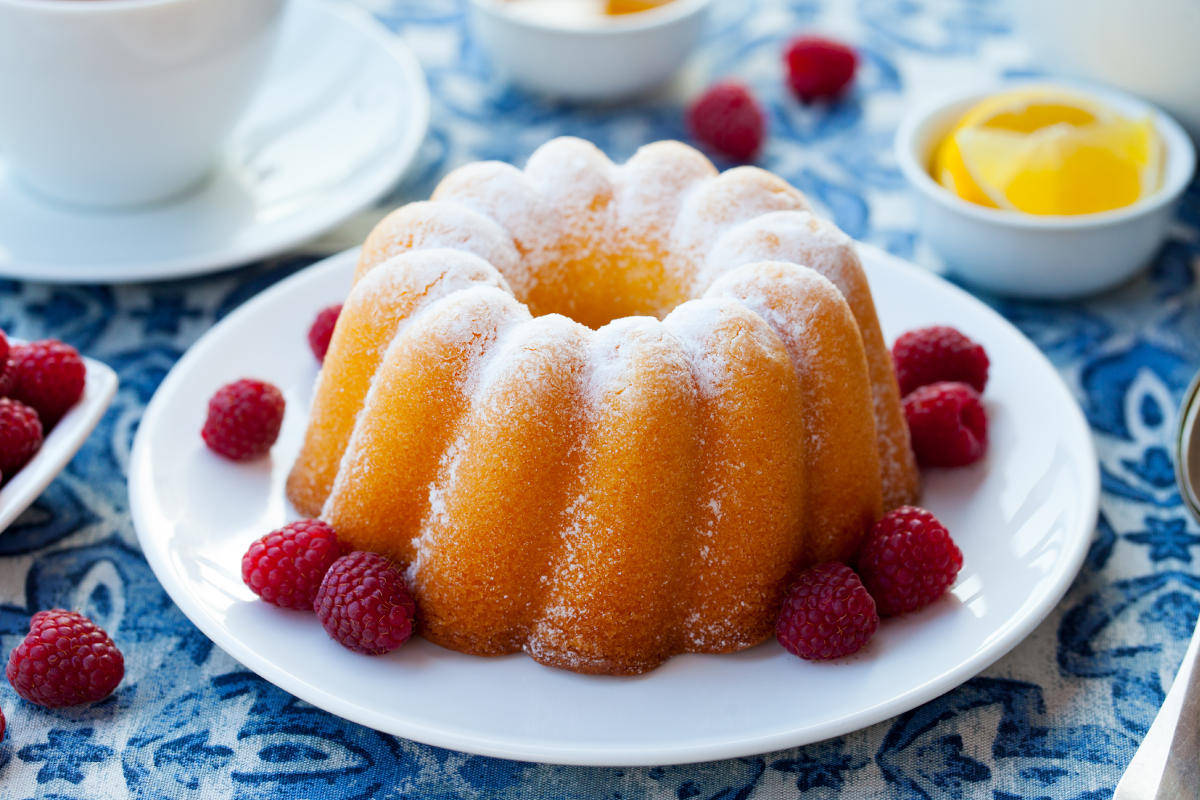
(1023, 518)
(341, 114)
(61, 444)
(1040, 256)
(611, 59)
(128, 101)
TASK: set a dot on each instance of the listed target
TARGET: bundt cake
(602, 413)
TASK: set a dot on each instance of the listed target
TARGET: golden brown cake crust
(602, 413)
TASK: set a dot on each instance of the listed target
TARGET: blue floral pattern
(1058, 718)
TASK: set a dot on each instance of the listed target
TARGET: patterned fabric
(1058, 718)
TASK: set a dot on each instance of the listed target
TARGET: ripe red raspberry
(827, 614)
(244, 418)
(321, 330)
(819, 68)
(65, 660)
(728, 119)
(286, 566)
(49, 376)
(939, 353)
(908, 561)
(20, 435)
(948, 425)
(364, 604)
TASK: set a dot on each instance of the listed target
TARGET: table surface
(1058, 718)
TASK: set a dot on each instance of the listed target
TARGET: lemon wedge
(1047, 151)
(616, 7)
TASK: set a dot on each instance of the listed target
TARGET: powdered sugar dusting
(510, 361)
(801, 238)
(425, 274)
(427, 225)
(575, 231)
(458, 320)
(717, 204)
(506, 194)
(695, 324)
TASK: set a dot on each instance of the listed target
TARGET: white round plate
(61, 443)
(338, 119)
(1023, 519)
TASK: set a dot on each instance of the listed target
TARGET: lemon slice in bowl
(1047, 151)
(618, 7)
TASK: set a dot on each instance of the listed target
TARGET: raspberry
(827, 614)
(6, 378)
(322, 330)
(728, 119)
(939, 353)
(20, 435)
(908, 561)
(286, 566)
(244, 418)
(4, 352)
(364, 604)
(65, 660)
(49, 376)
(947, 423)
(819, 68)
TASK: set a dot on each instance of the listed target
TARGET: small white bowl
(1027, 255)
(602, 61)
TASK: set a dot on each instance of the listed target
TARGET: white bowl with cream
(125, 102)
(1027, 255)
(544, 46)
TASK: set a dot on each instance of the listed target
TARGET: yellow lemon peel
(1044, 151)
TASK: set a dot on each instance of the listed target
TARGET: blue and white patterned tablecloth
(1058, 718)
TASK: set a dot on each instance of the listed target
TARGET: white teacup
(124, 102)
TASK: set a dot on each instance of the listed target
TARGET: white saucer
(1023, 518)
(340, 116)
(60, 444)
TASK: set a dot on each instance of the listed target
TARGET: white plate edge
(1010, 636)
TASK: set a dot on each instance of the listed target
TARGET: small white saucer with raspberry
(45, 420)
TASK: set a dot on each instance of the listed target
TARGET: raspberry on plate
(948, 424)
(244, 418)
(364, 604)
(48, 375)
(819, 68)
(908, 561)
(65, 660)
(286, 566)
(20, 435)
(728, 119)
(827, 613)
(939, 353)
(321, 330)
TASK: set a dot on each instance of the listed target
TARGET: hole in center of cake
(595, 287)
